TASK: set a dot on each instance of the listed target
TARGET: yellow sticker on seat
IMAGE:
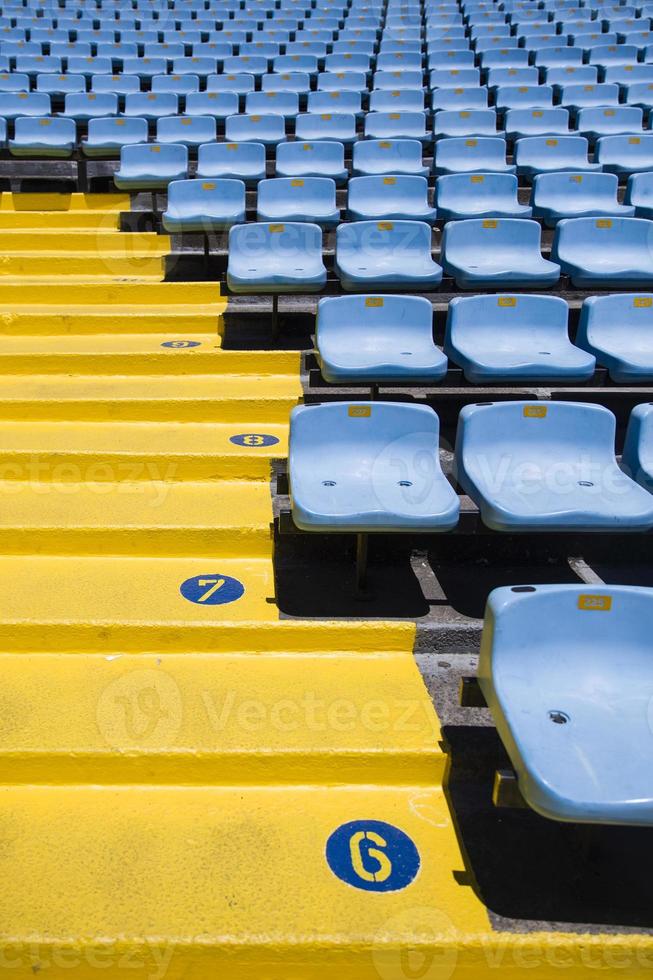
(385, 145)
(634, 139)
(385, 225)
(463, 115)
(389, 180)
(595, 603)
(477, 178)
(275, 229)
(255, 119)
(186, 122)
(155, 149)
(608, 112)
(604, 223)
(208, 187)
(506, 301)
(551, 142)
(232, 146)
(325, 115)
(642, 301)
(297, 183)
(588, 88)
(471, 142)
(535, 411)
(44, 122)
(359, 411)
(395, 115)
(576, 178)
(490, 223)
(374, 301)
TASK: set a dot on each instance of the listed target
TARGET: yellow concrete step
(106, 220)
(108, 293)
(117, 353)
(28, 266)
(218, 718)
(175, 321)
(63, 203)
(61, 451)
(94, 241)
(190, 398)
(157, 516)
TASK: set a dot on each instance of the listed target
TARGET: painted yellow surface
(172, 770)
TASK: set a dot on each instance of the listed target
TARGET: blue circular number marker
(212, 589)
(181, 344)
(254, 439)
(373, 856)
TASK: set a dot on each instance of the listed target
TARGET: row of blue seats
(504, 339)
(206, 206)
(478, 253)
(528, 466)
(244, 159)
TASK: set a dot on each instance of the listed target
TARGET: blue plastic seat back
(612, 119)
(398, 193)
(258, 128)
(523, 96)
(13, 104)
(353, 466)
(553, 703)
(512, 76)
(16, 82)
(195, 199)
(275, 254)
(396, 239)
(289, 197)
(32, 131)
(525, 122)
(59, 84)
(216, 104)
(340, 126)
(585, 74)
(120, 84)
(388, 156)
(560, 152)
(239, 82)
(637, 458)
(639, 191)
(628, 74)
(560, 190)
(284, 103)
(468, 243)
(153, 158)
(579, 238)
(392, 100)
(578, 96)
(625, 153)
(454, 78)
(487, 191)
(246, 160)
(191, 130)
(471, 154)
(116, 132)
(352, 81)
(395, 125)
(84, 105)
(151, 104)
(465, 122)
(459, 98)
(179, 84)
(292, 81)
(392, 80)
(302, 159)
(618, 330)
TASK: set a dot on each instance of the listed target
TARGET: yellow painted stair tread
(138, 354)
(110, 293)
(77, 451)
(69, 220)
(64, 202)
(174, 321)
(32, 266)
(218, 718)
(92, 241)
(154, 516)
(189, 397)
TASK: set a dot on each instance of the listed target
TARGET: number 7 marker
(215, 583)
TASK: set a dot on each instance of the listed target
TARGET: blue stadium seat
(523, 97)
(388, 81)
(396, 125)
(597, 121)
(391, 197)
(119, 84)
(378, 339)
(637, 458)
(486, 154)
(558, 57)
(251, 65)
(641, 94)
(393, 255)
(345, 62)
(238, 161)
(298, 199)
(628, 74)
(41, 137)
(618, 330)
(450, 124)
(513, 339)
(88, 66)
(381, 100)
(203, 206)
(291, 81)
(151, 105)
(575, 97)
(143, 67)
(14, 104)
(216, 104)
(231, 82)
(82, 106)
(557, 464)
(321, 159)
(625, 154)
(283, 103)
(460, 196)
(604, 55)
(372, 157)
(493, 252)
(18, 81)
(334, 126)
(352, 468)
(453, 78)
(553, 705)
(192, 131)
(348, 102)
(269, 129)
(605, 252)
(543, 154)
(35, 64)
(585, 74)
(149, 166)
(106, 137)
(178, 84)
(345, 81)
(639, 193)
(459, 98)
(522, 123)
(450, 59)
(512, 76)
(567, 195)
(276, 258)
(53, 84)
